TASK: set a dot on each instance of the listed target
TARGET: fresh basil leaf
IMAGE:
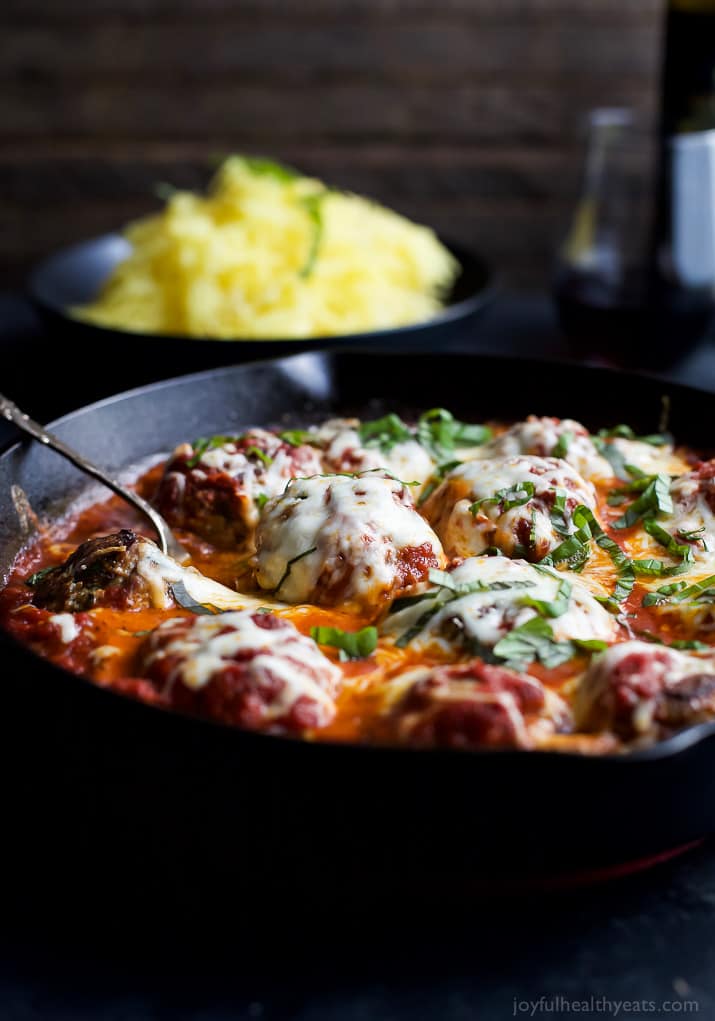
(614, 457)
(384, 433)
(289, 566)
(260, 454)
(680, 591)
(655, 499)
(313, 205)
(187, 601)
(554, 608)
(697, 535)
(516, 496)
(589, 644)
(625, 432)
(208, 443)
(531, 641)
(565, 440)
(558, 513)
(440, 432)
(297, 437)
(261, 500)
(355, 644)
(406, 601)
(693, 644)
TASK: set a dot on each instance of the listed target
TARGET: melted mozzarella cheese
(482, 618)
(213, 643)
(68, 626)
(256, 475)
(466, 534)
(650, 664)
(344, 451)
(539, 436)
(650, 459)
(336, 523)
(160, 572)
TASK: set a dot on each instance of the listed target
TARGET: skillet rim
(672, 747)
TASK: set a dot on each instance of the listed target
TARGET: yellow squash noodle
(269, 253)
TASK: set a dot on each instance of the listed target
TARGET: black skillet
(122, 804)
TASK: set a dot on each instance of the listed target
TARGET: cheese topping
(540, 436)
(482, 618)
(344, 451)
(214, 643)
(339, 532)
(528, 526)
(68, 626)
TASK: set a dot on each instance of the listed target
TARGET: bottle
(635, 279)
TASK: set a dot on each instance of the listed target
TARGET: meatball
(252, 670)
(476, 705)
(487, 598)
(345, 451)
(216, 490)
(126, 571)
(693, 518)
(352, 541)
(482, 504)
(644, 692)
(547, 437)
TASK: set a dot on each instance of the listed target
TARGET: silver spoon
(167, 541)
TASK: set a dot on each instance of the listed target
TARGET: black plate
(193, 806)
(74, 275)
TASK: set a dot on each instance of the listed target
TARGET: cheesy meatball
(476, 705)
(128, 572)
(216, 488)
(345, 451)
(551, 437)
(643, 692)
(521, 505)
(486, 599)
(350, 541)
(253, 670)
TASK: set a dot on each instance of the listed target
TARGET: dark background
(461, 113)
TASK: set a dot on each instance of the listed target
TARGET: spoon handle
(10, 411)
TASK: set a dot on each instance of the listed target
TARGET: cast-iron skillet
(133, 803)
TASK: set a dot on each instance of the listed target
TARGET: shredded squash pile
(269, 253)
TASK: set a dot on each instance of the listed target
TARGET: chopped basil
(516, 496)
(297, 437)
(289, 566)
(614, 457)
(679, 643)
(352, 644)
(187, 601)
(261, 500)
(625, 432)
(561, 448)
(655, 499)
(680, 591)
(575, 551)
(313, 207)
(446, 581)
(656, 568)
(440, 432)
(384, 433)
(555, 608)
(208, 443)
(697, 535)
(260, 454)
(531, 641)
(558, 512)
(405, 601)
(37, 577)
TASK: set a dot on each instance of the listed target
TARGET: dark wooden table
(649, 937)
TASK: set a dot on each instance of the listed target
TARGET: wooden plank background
(463, 114)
